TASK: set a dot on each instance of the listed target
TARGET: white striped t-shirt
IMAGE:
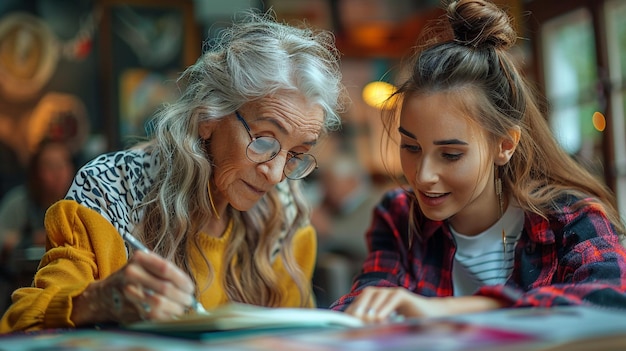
(482, 259)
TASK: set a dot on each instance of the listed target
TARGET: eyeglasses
(265, 148)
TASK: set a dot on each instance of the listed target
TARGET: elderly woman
(213, 195)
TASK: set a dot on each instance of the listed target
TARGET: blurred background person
(22, 235)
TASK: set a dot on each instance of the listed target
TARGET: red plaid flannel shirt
(574, 258)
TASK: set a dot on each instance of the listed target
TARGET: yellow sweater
(84, 247)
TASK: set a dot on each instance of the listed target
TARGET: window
(580, 55)
(615, 12)
(570, 83)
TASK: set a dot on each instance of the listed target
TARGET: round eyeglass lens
(299, 166)
(263, 149)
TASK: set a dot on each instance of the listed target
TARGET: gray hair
(258, 56)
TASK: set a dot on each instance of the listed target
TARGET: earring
(206, 143)
(212, 203)
(498, 185)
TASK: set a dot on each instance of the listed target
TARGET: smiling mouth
(434, 195)
(432, 199)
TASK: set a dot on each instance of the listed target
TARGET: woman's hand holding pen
(147, 287)
(155, 288)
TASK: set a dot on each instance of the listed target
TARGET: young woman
(496, 214)
(214, 194)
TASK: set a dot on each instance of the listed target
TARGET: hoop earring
(212, 203)
(206, 143)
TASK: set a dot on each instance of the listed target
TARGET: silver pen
(138, 245)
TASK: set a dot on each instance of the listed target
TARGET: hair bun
(481, 23)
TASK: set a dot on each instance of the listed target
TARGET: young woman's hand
(379, 304)
(147, 287)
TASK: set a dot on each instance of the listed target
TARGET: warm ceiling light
(599, 122)
(376, 93)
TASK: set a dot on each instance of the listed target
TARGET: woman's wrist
(472, 304)
(91, 306)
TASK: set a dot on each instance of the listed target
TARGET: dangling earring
(212, 204)
(498, 185)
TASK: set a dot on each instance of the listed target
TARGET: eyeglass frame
(291, 154)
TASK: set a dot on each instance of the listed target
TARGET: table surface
(555, 329)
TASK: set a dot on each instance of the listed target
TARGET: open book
(239, 316)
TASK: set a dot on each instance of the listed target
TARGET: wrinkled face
(446, 159)
(286, 116)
